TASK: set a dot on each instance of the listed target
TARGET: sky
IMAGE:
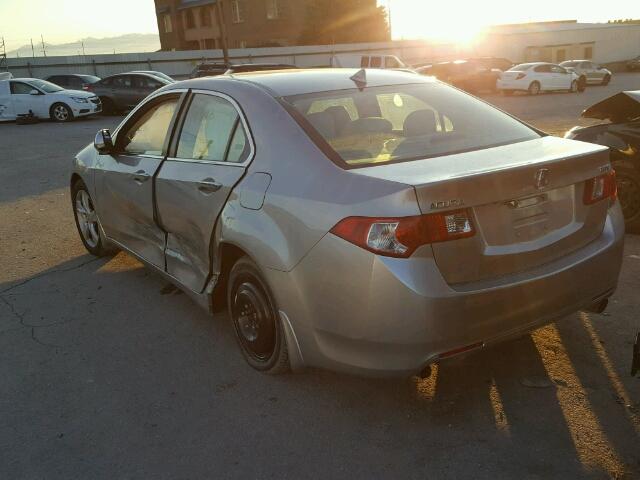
(71, 20)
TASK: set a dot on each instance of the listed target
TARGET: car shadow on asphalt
(531, 406)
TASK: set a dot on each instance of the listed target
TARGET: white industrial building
(562, 40)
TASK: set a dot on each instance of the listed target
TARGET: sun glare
(419, 20)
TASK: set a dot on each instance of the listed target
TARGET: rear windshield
(404, 122)
(89, 78)
(521, 68)
(569, 64)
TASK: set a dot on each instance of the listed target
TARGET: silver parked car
(591, 73)
(373, 222)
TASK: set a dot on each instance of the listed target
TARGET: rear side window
(404, 122)
(543, 69)
(148, 133)
(208, 129)
(122, 82)
(521, 68)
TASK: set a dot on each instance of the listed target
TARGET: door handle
(140, 177)
(208, 186)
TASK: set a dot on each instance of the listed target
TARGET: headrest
(420, 122)
(371, 125)
(324, 123)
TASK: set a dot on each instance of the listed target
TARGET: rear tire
(574, 87)
(60, 112)
(582, 84)
(256, 319)
(628, 181)
(534, 88)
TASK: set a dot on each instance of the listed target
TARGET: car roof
(284, 83)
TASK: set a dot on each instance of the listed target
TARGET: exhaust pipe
(599, 306)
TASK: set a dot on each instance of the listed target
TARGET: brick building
(193, 24)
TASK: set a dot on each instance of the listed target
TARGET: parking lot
(107, 373)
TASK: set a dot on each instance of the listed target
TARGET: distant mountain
(130, 43)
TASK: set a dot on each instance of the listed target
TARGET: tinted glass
(239, 146)
(148, 133)
(407, 122)
(207, 129)
(19, 88)
(45, 86)
(146, 82)
(122, 82)
(521, 68)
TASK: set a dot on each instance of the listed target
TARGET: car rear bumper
(353, 311)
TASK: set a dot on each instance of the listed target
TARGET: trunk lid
(525, 200)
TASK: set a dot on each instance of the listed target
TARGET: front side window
(543, 69)
(405, 122)
(149, 131)
(123, 81)
(19, 88)
(208, 129)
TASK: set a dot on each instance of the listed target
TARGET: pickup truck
(42, 99)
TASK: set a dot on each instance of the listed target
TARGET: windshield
(405, 122)
(521, 68)
(46, 87)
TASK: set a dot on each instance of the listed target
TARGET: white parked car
(537, 77)
(22, 96)
(592, 73)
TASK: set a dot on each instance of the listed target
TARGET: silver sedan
(366, 221)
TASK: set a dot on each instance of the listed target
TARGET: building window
(166, 22)
(237, 11)
(561, 55)
(588, 52)
(273, 10)
(205, 17)
(189, 20)
(242, 44)
(209, 43)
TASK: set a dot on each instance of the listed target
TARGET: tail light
(400, 237)
(600, 187)
(520, 76)
(87, 87)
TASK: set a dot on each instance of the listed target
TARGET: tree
(344, 21)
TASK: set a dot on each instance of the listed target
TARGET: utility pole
(44, 50)
(33, 52)
(389, 18)
(223, 30)
(82, 43)
(3, 55)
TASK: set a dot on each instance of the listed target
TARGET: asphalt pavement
(107, 374)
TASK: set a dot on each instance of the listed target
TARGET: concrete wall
(610, 43)
(180, 64)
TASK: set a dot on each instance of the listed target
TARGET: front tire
(582, 84)
(60, 112)
(87, 221)
(606, 80)
(256, 319)
(534, 88)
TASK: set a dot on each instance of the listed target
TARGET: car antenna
(360, 78)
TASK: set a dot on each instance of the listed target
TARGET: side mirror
(103, 142)
(34, 92)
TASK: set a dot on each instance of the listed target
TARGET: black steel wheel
(255, 319)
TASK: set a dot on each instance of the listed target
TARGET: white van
(366, 61)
